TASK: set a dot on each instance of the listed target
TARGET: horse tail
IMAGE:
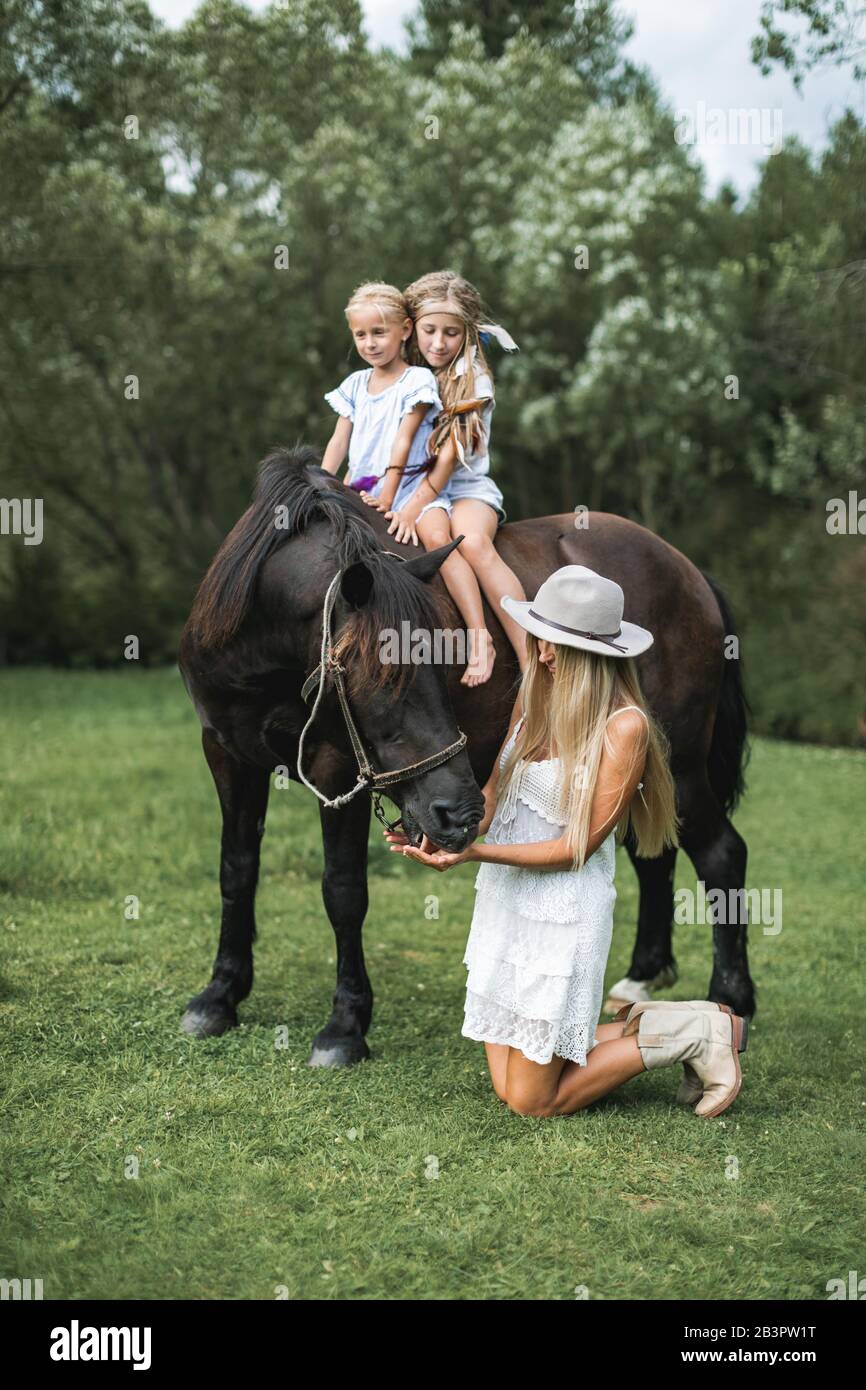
(226, 592)
(729, 751)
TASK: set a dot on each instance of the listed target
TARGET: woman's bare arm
(616, 785)
(620, 769)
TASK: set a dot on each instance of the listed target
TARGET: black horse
(254, 638)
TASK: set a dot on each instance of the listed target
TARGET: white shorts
(477, 487)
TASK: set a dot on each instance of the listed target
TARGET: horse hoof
(739, 1002)
(201, 1023)
(629, 991)
(334, 1053)
(739, 994)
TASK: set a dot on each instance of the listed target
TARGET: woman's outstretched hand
(427, 853)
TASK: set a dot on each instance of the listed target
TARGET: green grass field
(404, 1177)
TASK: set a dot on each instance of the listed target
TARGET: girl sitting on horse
(386, 413)
(450, 334)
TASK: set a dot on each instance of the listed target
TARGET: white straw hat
(575, 607)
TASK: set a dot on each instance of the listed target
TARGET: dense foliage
(156, 341)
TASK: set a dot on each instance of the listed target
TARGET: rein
(368, 779)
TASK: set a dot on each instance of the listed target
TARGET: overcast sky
(698, 52)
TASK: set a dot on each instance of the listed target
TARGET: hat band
(606, 637)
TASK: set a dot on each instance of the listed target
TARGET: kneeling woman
(582, 765)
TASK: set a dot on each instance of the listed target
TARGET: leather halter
(368, 779)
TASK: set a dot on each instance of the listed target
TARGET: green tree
(805, 34)
(604, 241)
(588, 37)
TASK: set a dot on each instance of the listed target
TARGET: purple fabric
(365, 484)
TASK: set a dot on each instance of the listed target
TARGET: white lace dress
(539, 939)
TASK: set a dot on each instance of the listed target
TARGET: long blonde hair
(455, 421)
(567, 714)
(390, 302)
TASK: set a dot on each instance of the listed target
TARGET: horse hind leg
(342, 1041)
(719, 855)
(243, 795)
(652, 963)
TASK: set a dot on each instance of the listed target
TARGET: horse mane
(284, 480)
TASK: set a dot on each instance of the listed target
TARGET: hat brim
(633, 638)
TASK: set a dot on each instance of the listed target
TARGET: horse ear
(356, 584)
(426, 565)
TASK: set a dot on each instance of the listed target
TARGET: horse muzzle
(451, 826)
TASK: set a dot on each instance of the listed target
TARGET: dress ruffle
(544, 979)
(538, 1039)
(551, 948)
(551, 894)
(339, 402)
(420, 395)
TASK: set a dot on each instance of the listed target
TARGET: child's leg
(561, 1087)
(478, 523)
(433, 528)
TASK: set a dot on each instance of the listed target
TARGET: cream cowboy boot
(710, 1040)
(690, 1089)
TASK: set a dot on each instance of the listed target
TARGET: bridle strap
(367, 778)
(309, 683)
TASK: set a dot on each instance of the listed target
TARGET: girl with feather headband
(450, 334)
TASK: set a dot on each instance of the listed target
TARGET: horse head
(384, 631)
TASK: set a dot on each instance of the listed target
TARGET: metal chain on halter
(368, 779)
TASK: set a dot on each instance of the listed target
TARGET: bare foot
(482, 655)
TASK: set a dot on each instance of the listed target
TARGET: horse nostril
(454, 819)
(442, 814)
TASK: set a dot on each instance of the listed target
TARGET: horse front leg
(243, 796)
(344, 890)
